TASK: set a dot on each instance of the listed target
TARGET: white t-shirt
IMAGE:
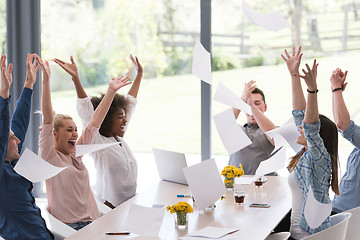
(297, 202)
(116, 166)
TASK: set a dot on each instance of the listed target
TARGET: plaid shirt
(313, 169)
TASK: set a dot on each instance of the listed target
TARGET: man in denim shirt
(20, 218)
(350, 183)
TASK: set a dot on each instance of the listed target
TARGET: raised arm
(264, 123)
(6, 80)
(293, 63)
(312, 111)
(136, 84)
(248, 88)
(71, 69)
(340, 111)
(21, 118)
(114, 85)
(46, 106)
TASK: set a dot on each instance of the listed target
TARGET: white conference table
(253, 223)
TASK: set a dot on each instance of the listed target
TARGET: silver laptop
(170, 165)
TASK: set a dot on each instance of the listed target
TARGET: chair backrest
(353, 229)
(337, 231)
(103, 209)
(278, 236)
(58, 228)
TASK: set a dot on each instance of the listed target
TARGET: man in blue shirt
(20, 218)
(350, 183)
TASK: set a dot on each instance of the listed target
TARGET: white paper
(273, 164)
(231, 134)
(144, 220)
(354, 114)
(89, 148)
(316, 212)
(289, 132)
(212, 232)
(245, 180)
(34, 168)
(205, 183)
(146, 238)
(224, 95)
(201, 65)
(273, 21)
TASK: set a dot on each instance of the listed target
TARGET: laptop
(170, 165)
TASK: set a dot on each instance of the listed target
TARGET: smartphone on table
(259, 205)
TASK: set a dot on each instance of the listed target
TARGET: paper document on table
(272, 164)
(289, 132)
(245, 180)
(273, 21)
(354, 114)
(144, 220)
(146, 238)
(201, 65)
(34, 168)
(226, 96)
(316, 212)
(205, 183)
(89, 148)
(211, 232)
(231, 134)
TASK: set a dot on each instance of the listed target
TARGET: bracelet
(295, 75)
(337, 89)
(312, 91)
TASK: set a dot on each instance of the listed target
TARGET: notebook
(170, 165)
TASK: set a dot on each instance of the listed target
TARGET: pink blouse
(69, 194)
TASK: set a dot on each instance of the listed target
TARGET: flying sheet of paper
(273, 164)
(224, 95)
(205, 183)
(315, 212)
(144, 220)
(212, 232)
(34, 168)
(354, 114)
(231, 134)
(84, 149)
(201, 65)
(273, 21)
(289, 132)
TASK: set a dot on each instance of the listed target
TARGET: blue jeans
(79, 225)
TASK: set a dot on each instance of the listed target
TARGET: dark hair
(119, 102)
(329, 135)
(257, 90)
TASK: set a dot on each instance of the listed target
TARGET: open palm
(118, 83)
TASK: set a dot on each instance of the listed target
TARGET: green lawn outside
(168, 111)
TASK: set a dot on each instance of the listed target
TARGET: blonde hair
(58, 118)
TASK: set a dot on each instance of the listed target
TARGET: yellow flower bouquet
(181, 209)
(230, 172)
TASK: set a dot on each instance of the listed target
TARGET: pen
(117, 233)
(184, 195)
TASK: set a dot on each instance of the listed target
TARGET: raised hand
(136, 63)
(310, 76)
(32, 66)
(6, 77)
(70, 68)
(45, 68)
(118, 83)
(338, 79)
(293, 61)
(248, 88)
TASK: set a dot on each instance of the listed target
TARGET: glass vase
(229, 183)
(181, 220)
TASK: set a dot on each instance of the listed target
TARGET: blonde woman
(69, 194)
